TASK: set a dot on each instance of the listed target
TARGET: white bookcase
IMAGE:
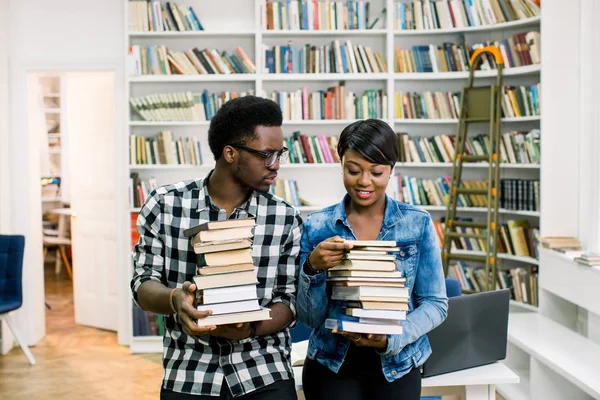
(231, 23)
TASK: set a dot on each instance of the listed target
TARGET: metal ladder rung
(467, 257)
(466, 235)
(475, 158)
(468, 224)
(471, 191)
(476, 119)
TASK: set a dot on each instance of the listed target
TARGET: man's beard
(237, 177)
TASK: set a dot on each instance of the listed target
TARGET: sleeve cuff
(291, 305)
(317, 279)
(394, 345)
(138, 283)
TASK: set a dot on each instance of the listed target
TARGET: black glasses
(271, 157)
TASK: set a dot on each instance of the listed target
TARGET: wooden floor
(76, 362)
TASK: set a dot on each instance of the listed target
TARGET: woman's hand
(328, 253)
(370, 340)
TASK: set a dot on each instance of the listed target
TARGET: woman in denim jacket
(344, 365)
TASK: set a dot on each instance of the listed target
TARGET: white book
(357, 327)
(379, 321)
(236, 318)
(230, 307)
(226, 294)
(376, 314)
(352, 293)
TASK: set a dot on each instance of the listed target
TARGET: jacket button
(394, 373)
(401, 254)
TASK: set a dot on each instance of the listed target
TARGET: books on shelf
(591, 259)
(304, 149)
(560, 243)
(163, 149)
(146, 323)
(318, 15)
(353, 283)
(515, 194)
(522, 281)
(181, 106)
(518, 50)
(336, 102)
(287, 189)
(152, 16)
(515, 147)
(159, 60)
(226, 277)
(448, 14)
(139, 191)
(515, 238)
(334, 58)
(517, 101)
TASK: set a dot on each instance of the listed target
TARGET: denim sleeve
(429, 291)
(312, 302)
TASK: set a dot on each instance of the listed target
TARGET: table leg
(480, 392)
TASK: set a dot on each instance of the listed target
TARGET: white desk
(477, 383)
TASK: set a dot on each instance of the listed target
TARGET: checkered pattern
(202, 365)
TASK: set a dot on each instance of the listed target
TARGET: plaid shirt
(201, 365)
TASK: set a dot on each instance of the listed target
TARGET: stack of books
(561, 243)
(372, 292)
(226, 279)
(590, 259)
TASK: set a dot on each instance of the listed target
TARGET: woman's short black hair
(236, 121)
(372, 139)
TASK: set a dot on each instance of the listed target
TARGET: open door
(90, 123)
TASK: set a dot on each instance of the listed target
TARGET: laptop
(474, 333)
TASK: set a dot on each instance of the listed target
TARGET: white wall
(47, 36)
(4, 114)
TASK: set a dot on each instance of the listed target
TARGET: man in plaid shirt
(250, 360)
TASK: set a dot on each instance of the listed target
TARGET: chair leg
(63, 254)
(45, 252)
(57, 263)
(19, 339)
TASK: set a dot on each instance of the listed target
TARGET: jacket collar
(392, 215)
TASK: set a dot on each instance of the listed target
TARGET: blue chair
(11, 284)
(453, 288)
(300, 332)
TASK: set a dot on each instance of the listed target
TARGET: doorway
(74, 117)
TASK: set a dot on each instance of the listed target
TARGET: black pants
(359, 378)
(284, 390)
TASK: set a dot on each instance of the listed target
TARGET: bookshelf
(242, 23)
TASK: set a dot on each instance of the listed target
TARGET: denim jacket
(419, 260)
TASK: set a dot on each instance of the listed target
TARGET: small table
(478, 383)
(62, 239)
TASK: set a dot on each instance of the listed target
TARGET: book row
(447, 14)
(517, 101)
(518, 50)
(522, 281)
(515, 147)
(163, 149)
(312, 15)
(152, 16)
(334, 58)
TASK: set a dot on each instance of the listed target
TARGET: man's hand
(370, 340)
(184, 301)
(328, 253)
(232, 331)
